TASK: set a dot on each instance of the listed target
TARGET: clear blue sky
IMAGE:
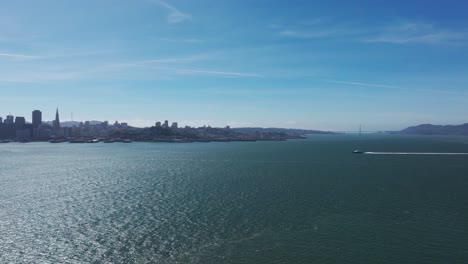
(302, 64)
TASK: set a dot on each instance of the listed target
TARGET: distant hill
(290, 131)
(429, 129)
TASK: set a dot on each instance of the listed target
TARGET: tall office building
(9, 119)
(20, 122)
(57, 121)
(1, 120)
(36, 118)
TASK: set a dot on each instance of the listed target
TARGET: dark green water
(308, 201)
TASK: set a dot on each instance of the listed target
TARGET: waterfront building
(68, 132)
(158, 124)
(36, 118)
(124, 125)
(166, 124)
(23, 134)
(7, 131)
(36, 133)
(174, 125)
(7, 128)
(76, 130)
(1, 120)
(44, 132)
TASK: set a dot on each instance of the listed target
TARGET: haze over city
(299, 64)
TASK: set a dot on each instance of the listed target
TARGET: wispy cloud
(175, 15)
(393, 32)
(181, 65)
(174, 60)
(317, 28)
(20, 56)
(418, 32)
(307, 34)
(362, 84)
(260, 92)
(209, 72)
(403, 89)
(42, 76)
(78, 53)
(154, 69)
(183, 40)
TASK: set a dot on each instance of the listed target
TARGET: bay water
(300, 201)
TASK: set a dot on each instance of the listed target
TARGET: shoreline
(108, 141)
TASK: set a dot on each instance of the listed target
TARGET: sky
(328, 65)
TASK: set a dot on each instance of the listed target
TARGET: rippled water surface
(308, 201)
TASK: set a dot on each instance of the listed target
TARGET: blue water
(302, 201)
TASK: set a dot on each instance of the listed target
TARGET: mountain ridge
(430, 129)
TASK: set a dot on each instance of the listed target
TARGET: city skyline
(17, 129)
(36, 120)
(307, 64)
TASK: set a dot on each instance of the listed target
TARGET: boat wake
(411, 153)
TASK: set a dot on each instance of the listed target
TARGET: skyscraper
(36, 118)
(9, 119)
(57, 121)
(20, 122)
